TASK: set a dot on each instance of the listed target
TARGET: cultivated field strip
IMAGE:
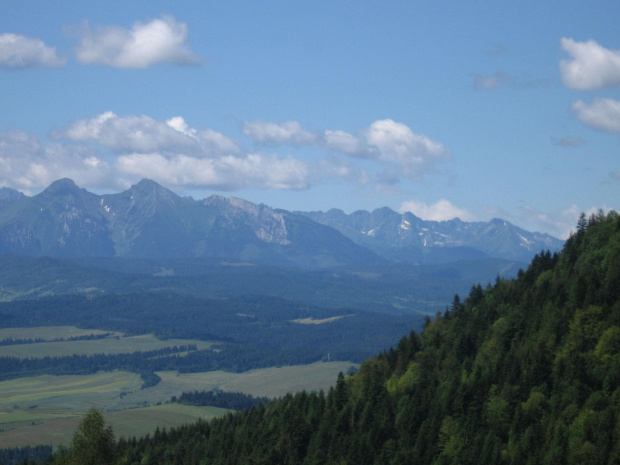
(111, 345)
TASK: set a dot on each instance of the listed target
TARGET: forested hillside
(526, 371)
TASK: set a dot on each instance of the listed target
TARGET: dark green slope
(525, 371)
(384, 288)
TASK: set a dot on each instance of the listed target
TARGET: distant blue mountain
(150, 221)
(405, 237)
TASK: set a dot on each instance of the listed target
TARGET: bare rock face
(267, 224)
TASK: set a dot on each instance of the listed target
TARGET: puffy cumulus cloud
(387, 142)
(122, 149)
(344, 142)
(289, 132)
(227, 173)
(27, 164)
(17, 51)
(439, 211)
(145, 134)
(173, 153)
(162, 40)
(396, 144)
(603, 114)
(592, 66)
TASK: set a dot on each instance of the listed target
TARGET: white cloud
(289, 132)
(439, 211)
(119, 150)
(343, 142)
(396, 144)
(386, 142)
(226, 173)
(17, 51)
(126, 149)
(178, 124)
(333, 167)
(603, 114)
(592, 66)
(162, 40)
(146, 135)
(27, 164)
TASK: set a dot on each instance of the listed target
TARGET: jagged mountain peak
(9, 195)
(148, 187)
(214, 199)
(384, 211)
(244, 204)
(499, 222)
(239, 204)
(409, 238)
(62, 186)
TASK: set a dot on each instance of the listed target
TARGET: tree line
(251, 331)
(9, 341)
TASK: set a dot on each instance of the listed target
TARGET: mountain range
(150, 221)
(405, 237)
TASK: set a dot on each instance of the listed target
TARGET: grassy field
(77, 392)
(312, 321)
(119, 390)
(56, 427)
(115, 344)
(46, 409)
(50, 407)
(47, 333)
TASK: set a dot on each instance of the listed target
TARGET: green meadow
(46, 409)
(47, 333)
(56, 427)
(116, 343)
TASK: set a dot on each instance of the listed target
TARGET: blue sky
(471, 109)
